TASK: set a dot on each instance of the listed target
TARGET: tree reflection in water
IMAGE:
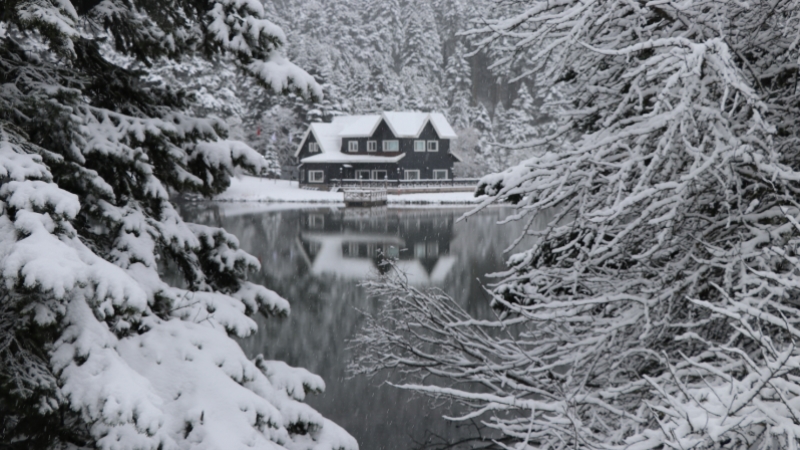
(316, 257)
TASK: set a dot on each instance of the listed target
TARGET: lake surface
(316, 258)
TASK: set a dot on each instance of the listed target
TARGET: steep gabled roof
(326, 135)
(442, 126)
(359, 126)
(406, 124)
(403, 125)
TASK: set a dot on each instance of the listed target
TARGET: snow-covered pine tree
(515, 129)
(96, 350)
(385, 33)
(659, 306)
(422, 60)
(481, 122)
(458, 87)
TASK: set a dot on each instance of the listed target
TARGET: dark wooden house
(387, 146)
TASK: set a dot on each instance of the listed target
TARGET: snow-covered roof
(442, 126)
(346, 158)
(358, 126)
(403, 125)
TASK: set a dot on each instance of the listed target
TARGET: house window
(440, 174)
(433, 146)
(302, 175)
(412, 174)
(313, 147)
(419, 146)
(372, 146)
(350, 249)
(313, 248)
(352, 146)
(432, 249)
(378, 174)
(391, 146)
(419, 250)
(316, 221)
(362, 174)
(316, 176)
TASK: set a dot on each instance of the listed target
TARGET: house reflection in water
(351, 243)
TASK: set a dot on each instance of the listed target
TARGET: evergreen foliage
(97, 350)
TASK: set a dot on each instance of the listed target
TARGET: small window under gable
(372, 146)
(352, 146)
(433, 146)
(419, 146)
(391, 146)
(313, 147)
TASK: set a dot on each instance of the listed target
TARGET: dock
(365, 197)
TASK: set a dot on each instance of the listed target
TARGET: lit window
(440, 174)
(419, 250)
(352, 146)
(313, 147)
(433, 146)
(316, 176)
(419, 146)
(372, 146)
(412, 174)
(391, 146)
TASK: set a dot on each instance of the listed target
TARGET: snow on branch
(657, 308)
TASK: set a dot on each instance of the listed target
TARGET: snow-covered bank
(252, 189)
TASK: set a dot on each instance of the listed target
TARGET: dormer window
(391, 146)
(352, 146)
(433, 146)
(372, 146)
(313, 147)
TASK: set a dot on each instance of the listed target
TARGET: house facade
(386, 146)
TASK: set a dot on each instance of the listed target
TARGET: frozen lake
(316, 257)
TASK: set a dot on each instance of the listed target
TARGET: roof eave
(302, 141)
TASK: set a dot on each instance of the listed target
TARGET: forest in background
(371, 56)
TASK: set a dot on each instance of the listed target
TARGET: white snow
(358, 126)
(442, 126)
(253, 189)
(405, 124)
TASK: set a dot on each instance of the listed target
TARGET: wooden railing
(404, 184)
(365, 196)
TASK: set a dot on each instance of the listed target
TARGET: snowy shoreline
(261, 190)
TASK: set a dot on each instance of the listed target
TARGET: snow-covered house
(386, 146)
